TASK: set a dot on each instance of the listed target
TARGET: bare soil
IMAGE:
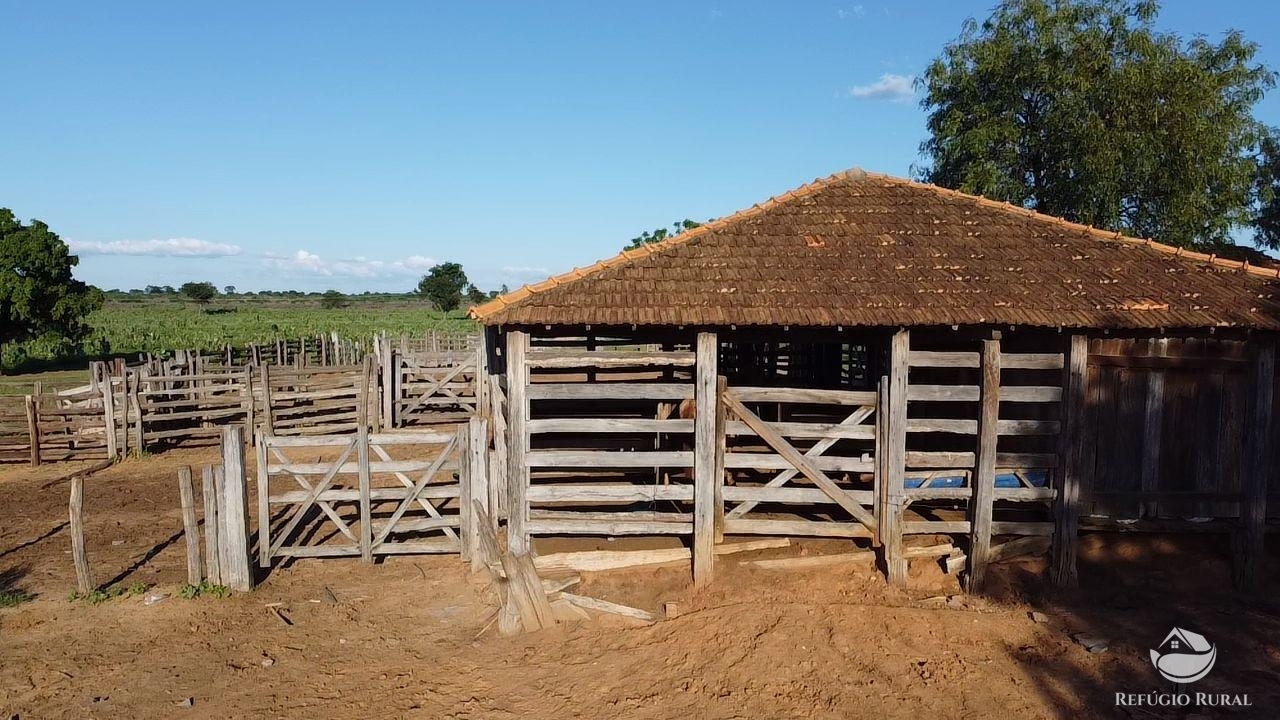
(407, 638)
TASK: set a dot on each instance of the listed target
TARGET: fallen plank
(597, 560)
(555, 585)
(1021, 546)
(929, 550)
(794, 563)
(590, 603)
(566, 611)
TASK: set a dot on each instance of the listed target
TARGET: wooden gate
(814, 434)
(361, 495)
(436, 387)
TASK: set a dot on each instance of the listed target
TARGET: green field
(127, 325)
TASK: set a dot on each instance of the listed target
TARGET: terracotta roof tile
(865, 249)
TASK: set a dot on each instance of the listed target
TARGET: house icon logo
(1184, 657)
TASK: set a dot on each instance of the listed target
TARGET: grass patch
(204, 589)
(14, 598)
(101, 595)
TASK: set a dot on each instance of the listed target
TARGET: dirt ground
(403, 638)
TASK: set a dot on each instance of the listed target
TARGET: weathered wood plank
(985, 474)
(190, 526)
(1067, 509)
(518, 442)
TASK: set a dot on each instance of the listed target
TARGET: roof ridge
(1099, 233)
(479, 312)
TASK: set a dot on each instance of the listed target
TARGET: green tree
(475, 295)
(1266, 222)
(661, 234)
(201, 292)
(1081, 109)
(443, 285)
(38, 295)
(333, 300)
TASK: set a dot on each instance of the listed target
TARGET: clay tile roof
(863, 249)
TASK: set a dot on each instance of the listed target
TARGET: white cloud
(891, 87)
(309, 263)
(172, 247)
(857, 11)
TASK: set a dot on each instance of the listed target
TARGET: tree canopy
(443, 285)
(1082, 109)
(201, 292)
(660, 234)
(38, 295)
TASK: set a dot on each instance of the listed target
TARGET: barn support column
(1248, 556)
(895, 462)
(1066, 515)
(705, 481)
(984, 476)
(517, 443)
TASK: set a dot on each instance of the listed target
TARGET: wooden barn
(873, 358)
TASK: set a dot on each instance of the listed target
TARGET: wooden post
(984, 482)
(33, 430)
(140, 436)
(518, 445)
(264, 504)
(499, 457)
(190, 526)
(387, 369)
(896, 459)
(466, 532)
(477, 469)
(268, 415)
(233, 514)
(209, 490)
(1249, 554)
(721, 424)
(1070, 459)
(366, 499)
(108, 410)
(1151, 432)
(248, 403)
(704, 460)
(84, 580)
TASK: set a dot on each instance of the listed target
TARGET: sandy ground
(403, 638)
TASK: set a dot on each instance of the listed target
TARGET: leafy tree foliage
(199, 291)
(1080, 108)
(333, 300)
(443, 285)
(661, 234)
(38, 295)
(1267, 190)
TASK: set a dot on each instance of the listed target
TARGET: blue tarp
(1037, 478)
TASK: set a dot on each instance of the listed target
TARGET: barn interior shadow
(1133, 591)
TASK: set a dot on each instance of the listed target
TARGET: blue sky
(350, 145)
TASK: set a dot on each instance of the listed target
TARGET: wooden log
(1249, 541)
(928, 550)
(1071, 441)
(984, 481)
(1010, 549)
(233, 514)
(518, 442)
(800, 563)
(190, 526)
(33, 430)
(84, 579)
(705, 442)
(477, 480)
(896, 458)
(209, 491)
(590, 603)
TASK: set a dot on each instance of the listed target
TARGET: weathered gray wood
(985, 475)
(108, 410)
(927, 358)
(557, 526)
(1032, 361)
(802, 395)
(772, 461)
(801, 463)
(593, 492)
(807, 430)
(478, 481)
(365, 484)
(233, 536)
(1033, 545)
(555, 358)
(605, 606)
(608, 458)
(812, 561)
(791, 495)
(1067, 509)
(609, 425)
(84, 579)
(1152, 429)
(896, 460)
(33, 430)
(607, 391)
(795, 528)
(209, 491)
(517, 442)
(722, 386)
(1249, 556)
(190, 526)
(264, 501)
(599, 560)
(705, 443)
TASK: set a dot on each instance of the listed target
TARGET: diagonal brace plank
(413, 494)
(425, 503)
(311, 498)
(801, 463)
(439, 383)
(817, 450)
(322, 504)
